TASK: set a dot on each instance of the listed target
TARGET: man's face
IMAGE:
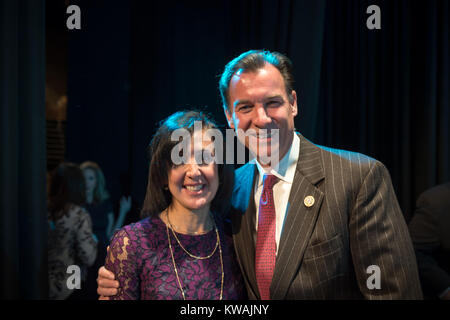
(258, 100)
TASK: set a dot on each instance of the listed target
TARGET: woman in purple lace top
(182, 249)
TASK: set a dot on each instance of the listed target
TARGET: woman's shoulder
(146, 230)
(144, 225)
(77, 212)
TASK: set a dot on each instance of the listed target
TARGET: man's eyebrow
(238, 102)
(274, 97)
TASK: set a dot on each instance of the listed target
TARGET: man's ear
(229, 117)
(293, 103)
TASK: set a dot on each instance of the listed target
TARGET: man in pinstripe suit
(337, 216)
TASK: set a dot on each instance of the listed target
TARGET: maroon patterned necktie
(265, 238)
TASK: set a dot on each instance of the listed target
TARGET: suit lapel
(300, 219)
(243, 220)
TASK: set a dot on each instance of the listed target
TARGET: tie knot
(269, 181)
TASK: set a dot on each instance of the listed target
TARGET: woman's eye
(206, 162)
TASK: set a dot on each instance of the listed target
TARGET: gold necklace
(176, 270)
(184, 249)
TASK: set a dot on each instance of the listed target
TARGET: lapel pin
(309, 201)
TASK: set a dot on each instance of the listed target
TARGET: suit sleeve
(380, 241)
(424, 232)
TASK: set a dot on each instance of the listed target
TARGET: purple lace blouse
(140, 258)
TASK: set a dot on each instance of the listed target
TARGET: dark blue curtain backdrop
(23, 206)
(385, 93)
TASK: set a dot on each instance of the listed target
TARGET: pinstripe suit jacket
(325, 249)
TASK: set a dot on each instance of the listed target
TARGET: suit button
(309, 201)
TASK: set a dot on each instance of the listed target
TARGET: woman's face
(193, 185)
(91, 180)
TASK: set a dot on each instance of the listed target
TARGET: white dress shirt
(282, 189)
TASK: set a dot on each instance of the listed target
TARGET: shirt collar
(287, 165)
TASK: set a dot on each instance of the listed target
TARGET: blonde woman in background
(100, 208)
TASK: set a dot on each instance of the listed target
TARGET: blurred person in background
(100, 208)
(430, 233)
(71, 240)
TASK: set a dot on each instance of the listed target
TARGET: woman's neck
(89, 197)
(186, 221)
